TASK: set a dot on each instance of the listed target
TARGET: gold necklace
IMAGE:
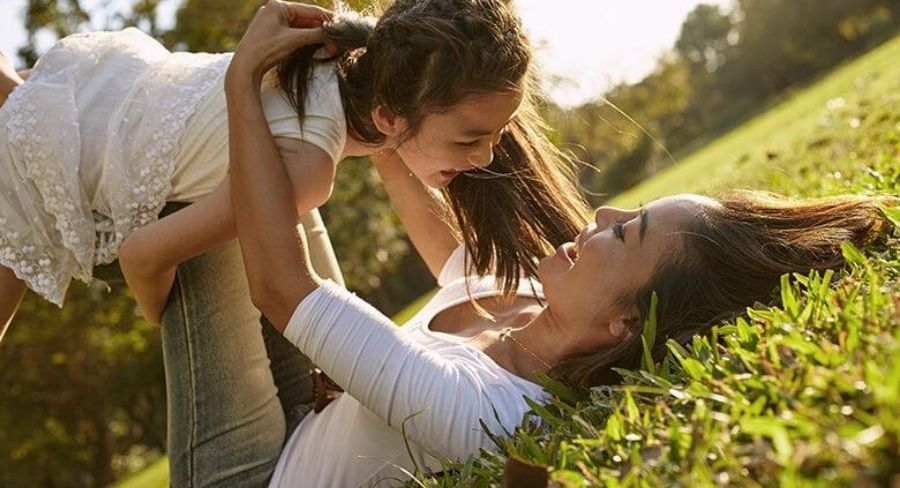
(507, 332)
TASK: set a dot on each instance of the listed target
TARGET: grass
(156, 475)
(801, 394)
(404, 315)
(805, 392)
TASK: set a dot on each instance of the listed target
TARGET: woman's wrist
(242, 75)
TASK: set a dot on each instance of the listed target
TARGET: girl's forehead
(484, 111)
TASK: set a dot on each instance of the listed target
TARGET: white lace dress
(101, 135)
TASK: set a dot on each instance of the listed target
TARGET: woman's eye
(618, 229)
(467, 143)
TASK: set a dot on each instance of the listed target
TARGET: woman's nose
(605, 216)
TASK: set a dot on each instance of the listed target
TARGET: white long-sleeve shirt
(433, 383)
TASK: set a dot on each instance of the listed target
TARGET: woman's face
(612, 258)
(460, 139)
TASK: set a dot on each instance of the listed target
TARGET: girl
(110, 126)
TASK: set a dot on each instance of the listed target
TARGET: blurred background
(82, 397)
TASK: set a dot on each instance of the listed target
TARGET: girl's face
(614, 257)
(460, 139)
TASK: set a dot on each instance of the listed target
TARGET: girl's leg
(12, 290)
(9, 78)
(226, 426)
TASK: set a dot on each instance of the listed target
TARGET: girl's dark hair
(426, 56)
(730, 257)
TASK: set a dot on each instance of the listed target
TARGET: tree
(82, 389)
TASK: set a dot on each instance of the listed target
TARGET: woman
(433, 381)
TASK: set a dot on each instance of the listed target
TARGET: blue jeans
(235, 386)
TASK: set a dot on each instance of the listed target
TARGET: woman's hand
(277, 29)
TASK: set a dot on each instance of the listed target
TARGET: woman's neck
(544, 337)
(525, 342)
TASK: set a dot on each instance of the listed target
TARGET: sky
(583, 46)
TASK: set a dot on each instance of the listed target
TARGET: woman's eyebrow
(642, 214)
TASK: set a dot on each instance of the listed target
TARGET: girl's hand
(9, 79)
(277, 29)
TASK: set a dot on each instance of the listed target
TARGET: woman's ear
(625, 324)
(617, 328)
(388, 122)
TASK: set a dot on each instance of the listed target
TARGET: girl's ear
(387, 122)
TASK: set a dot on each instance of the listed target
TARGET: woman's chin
(548, 267)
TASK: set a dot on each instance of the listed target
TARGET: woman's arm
(419, 211)
(275, 259)
(149, 256)
(437, 400)
(274, 253)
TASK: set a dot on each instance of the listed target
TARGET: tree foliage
(723, 68)
(83, 391)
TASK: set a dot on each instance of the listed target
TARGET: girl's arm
(275, 258)
(149, 256)
(419, 211)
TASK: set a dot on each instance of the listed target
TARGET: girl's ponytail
(349, 32)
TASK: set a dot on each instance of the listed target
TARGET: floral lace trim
(61, 195)
(146, 191)
(31, 266)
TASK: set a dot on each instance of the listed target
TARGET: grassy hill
(814, 142)
(806, 392)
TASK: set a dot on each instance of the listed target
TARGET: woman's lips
(564, 252)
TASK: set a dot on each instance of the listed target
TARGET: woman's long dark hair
(732, 256)
(426, 56)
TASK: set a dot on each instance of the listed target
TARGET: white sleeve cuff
(314, 308)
